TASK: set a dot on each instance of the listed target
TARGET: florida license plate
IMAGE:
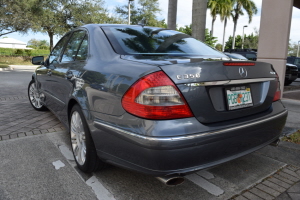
(239, 97)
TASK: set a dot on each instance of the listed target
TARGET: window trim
(65, 46)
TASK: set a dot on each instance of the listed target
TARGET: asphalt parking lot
(36, 161)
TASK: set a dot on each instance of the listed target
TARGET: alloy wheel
(78, 138)
(34, 96)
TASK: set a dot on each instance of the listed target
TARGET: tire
(83, 147)
(34, 97)
(287, 82)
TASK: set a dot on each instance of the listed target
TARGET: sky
(184, 17)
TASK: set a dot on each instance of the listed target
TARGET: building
(12, 43)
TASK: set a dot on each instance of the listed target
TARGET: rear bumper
(185, 154)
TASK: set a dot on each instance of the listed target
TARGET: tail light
(278, 92)
(155, 96)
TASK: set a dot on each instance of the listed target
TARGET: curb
(7, 68)
(290, 88)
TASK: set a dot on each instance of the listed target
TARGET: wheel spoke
(34, 96)
(78, 138)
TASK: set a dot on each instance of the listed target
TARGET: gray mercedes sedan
(156, 101)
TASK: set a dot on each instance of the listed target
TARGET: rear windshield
(155, 41)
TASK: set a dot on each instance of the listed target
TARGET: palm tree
(213, 5)
(238, 7)
(225, 13)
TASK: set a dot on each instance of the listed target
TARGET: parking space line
(100, 191)
(205, 174)
(206, 185)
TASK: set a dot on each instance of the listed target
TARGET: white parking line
(66, 152)
(101, 192)
(208, 186)
(58, 164)
(205, 174)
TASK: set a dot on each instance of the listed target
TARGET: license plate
(239, 97)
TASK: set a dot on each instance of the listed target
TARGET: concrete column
(274, 32)
(172, 14)
(199, 19)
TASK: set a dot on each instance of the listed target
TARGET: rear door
(47, 83)
(66, 70)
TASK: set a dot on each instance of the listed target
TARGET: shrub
(28, 52)
(19, 52)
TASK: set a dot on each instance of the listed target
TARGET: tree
(56, 17)
(238, 7)
(210, 40)
(15, 16)
(293, 48)
(251, 41)
(145, 9)
(38, 44)
(219, 47)
(186, 29)
(199, 19)
(238, 42)
(225, 14)
(218, 7)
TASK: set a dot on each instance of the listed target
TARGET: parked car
(250, 54)
(291, 73)
(295, 61)
(173, 105)
(235, 56)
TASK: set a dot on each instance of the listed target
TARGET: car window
(73, 46)
(54, 55)
(290, 60)
(250, 56)
(297, 61)
(156, 41)
(83, 49)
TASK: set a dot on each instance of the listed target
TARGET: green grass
(13, 60)
(3, 66)
(295, 137)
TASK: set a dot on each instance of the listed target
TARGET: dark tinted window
(83, 49)
(236, 56)
(73, 46)
(297, 61)
(54, 55)
(290, 60)
(151, 41)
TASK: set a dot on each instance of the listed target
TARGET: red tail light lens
(238, 64)
(155, 96)
(278, 92)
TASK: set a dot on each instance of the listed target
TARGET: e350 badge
(188, 76)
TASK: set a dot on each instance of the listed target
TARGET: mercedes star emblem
(243, 72)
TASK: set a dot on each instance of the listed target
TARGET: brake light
(155, 96)
(238, 64)
(278, 92)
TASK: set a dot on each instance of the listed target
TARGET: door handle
(49, 73)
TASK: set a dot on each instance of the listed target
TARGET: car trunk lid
(207, 85)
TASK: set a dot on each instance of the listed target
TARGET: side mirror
(37, 60)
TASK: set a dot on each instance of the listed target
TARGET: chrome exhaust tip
(171, 180)
(275, 143)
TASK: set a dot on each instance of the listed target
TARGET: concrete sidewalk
(33, 168)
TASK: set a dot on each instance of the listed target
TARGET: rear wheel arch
(71, 104)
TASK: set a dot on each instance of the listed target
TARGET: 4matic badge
(188, 76)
